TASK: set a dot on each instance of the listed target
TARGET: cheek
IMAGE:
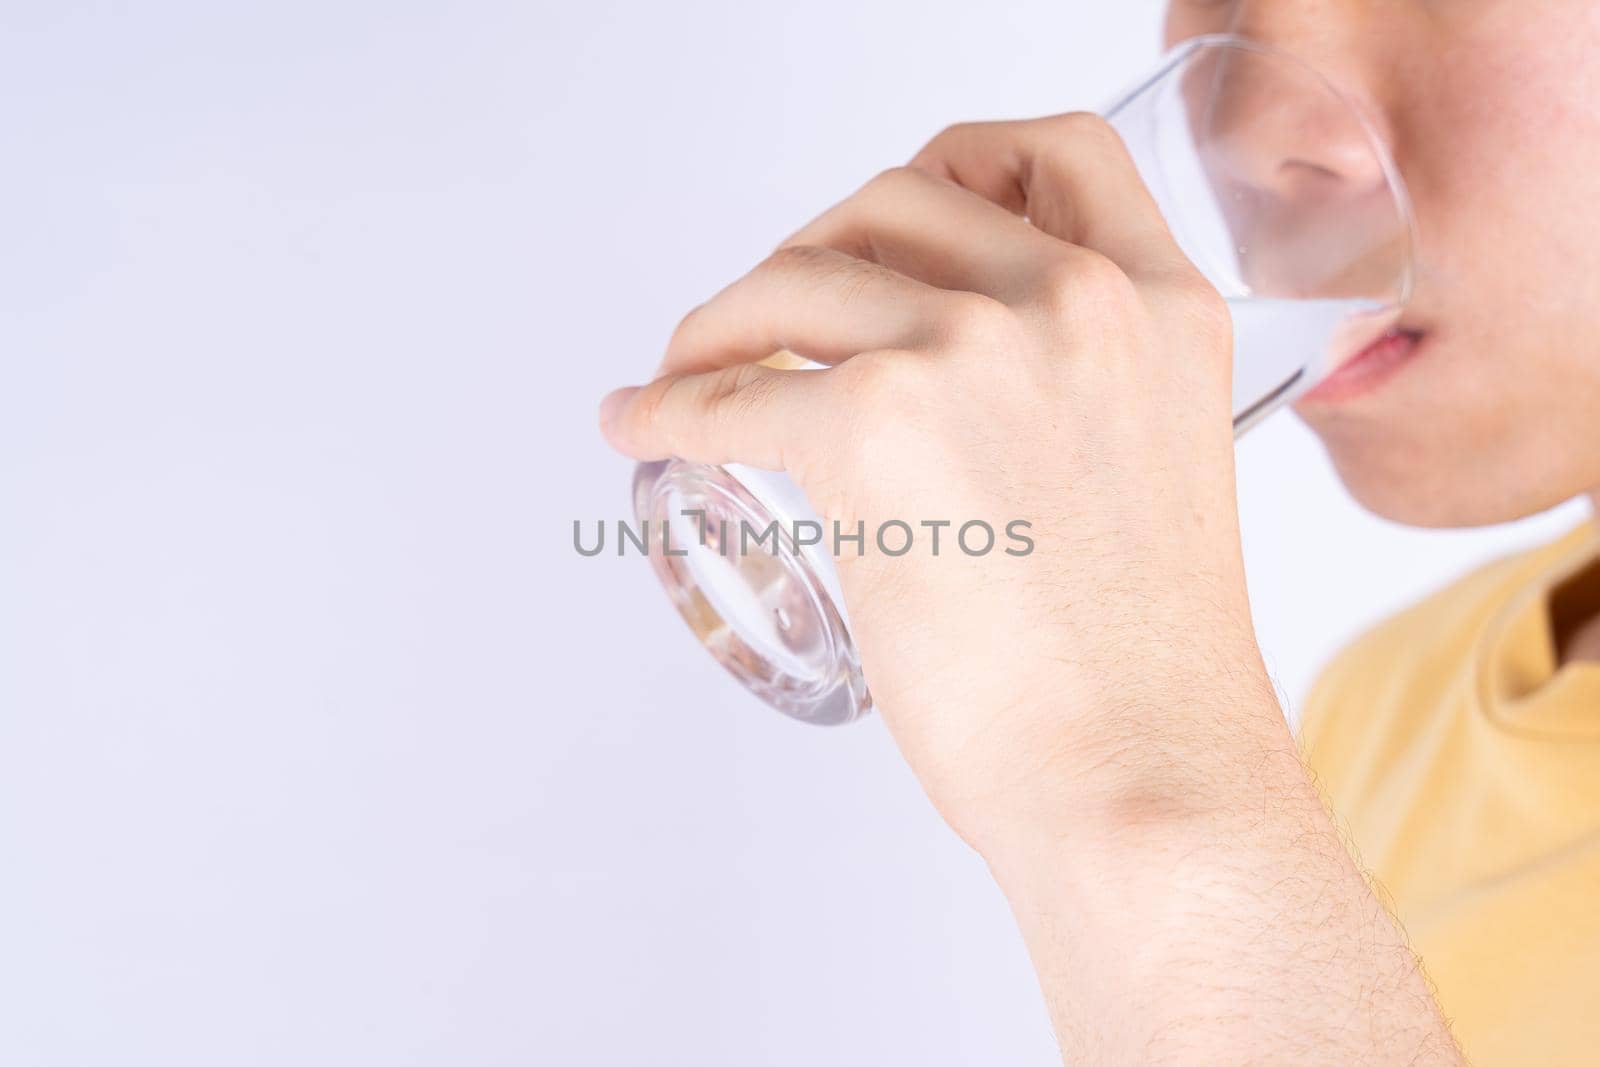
(1498, 139)
(1501, 136)
(1191, 18)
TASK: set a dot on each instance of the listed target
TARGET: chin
(1429, 483)
(1418, 440)
(1416, 497)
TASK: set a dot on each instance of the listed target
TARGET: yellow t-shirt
(1466, 769)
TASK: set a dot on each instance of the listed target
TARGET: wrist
(1145, 767)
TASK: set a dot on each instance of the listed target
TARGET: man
(1095, 718)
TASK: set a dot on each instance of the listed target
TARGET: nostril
(1294, 169)
(1300, 179)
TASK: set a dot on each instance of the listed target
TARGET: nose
(1274, 127)
(1306, 133)
(1300, 174)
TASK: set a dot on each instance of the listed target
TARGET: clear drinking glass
(1312, 251)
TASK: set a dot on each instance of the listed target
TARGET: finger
(817, 302)
(932, 229)
(1070, 175)
(740, 414)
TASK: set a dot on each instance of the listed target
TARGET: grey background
(318, 743)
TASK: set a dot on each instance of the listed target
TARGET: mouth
(1368, 369)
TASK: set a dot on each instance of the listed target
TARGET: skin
(1095, 718)
(1488, 108)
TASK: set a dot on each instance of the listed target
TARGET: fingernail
(613, 404)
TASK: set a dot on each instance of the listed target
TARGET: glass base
(755, 599)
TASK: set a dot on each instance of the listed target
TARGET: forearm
(1224, 927)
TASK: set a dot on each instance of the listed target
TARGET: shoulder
(1399, 677)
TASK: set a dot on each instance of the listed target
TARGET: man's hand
(1012, 333)
(1071, 371)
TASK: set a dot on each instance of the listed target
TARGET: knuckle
(973, 318)
(886, 396)
(873, 379)
(683, 399)
(1098, 274)
(745, 391)
(893, 182)
(651, 401)
(797, 258)
(1086, 127)
(1085, 279)
(715, 393)
(955, 131)
(684, 330)
(885, 389)
(1200, 308)
(954, 134)
(814, 268)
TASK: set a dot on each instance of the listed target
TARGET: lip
(1367, 370)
